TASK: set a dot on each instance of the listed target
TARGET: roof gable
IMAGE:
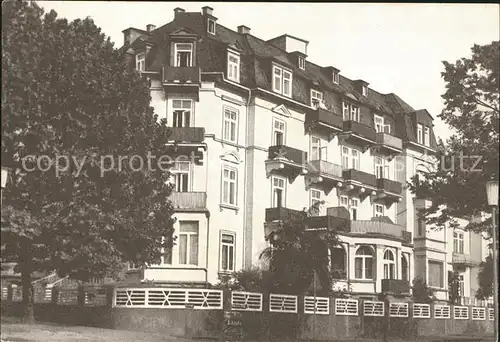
(282, 110)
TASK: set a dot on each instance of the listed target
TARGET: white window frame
(344, 201)
(378, 210)
(363, 262)
(336, 77)
(364, 90)
(314, 196)
(346, 111)
(283, 193)
(188, 245)
(355, 113)
(233, 68)
(176, 170)
(184, 109)
(389, 265)
(140, 61)
(283, 131)
(355, 159)
(461, 285)
(316, 96)
(231, 123)
(458, 242)
(427, 136)
(177, 50)
(442, 275)
(282, 76)
(317, 143)
(229, 182)
(379, 167)
(208, 26)
(420, 133)
(379, 123)
(350, 112)
(350, 158)
(353, 207)
(231, 249)
(302, 63)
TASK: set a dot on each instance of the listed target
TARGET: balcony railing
(281, 213)
(380, 228)
(325, 168)
(464, 259)
(360, 176)
(336, 218)
(396, 286)
(187, 134)
(294, 155)
(325, 117)
(389, 185)
(359, 129)
(386, 139)
(181, 75)
(189, 200)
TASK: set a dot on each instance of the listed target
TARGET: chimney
(207, 10)
(150, 27)
(242, 29)
(130, 35)
(177, 11)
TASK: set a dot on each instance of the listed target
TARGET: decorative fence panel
(491, 314)
(282, 303)
(42, 294)
(460, 312)
(96, 297)
(5, 292)
(479, 313)
(246, 301)
(442, 311)
(199, 299)
(67, 297)
(398, 309)
(373, 308)
(421, 310)
(348, 307)
(318, 305)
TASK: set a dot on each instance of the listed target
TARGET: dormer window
(364, 90)
(282, 81)
(140, 61)
(316, 98)
(302, 63)
(233, 66)
(183, 54)
(211, 26)
(336, 77)
(350, 112)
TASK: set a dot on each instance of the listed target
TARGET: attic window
(364, 90)
(302, 63)
(140, 61)
(211, 26)
(336, 77)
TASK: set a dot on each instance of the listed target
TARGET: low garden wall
(204, 313)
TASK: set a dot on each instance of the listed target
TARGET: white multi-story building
(271, 133)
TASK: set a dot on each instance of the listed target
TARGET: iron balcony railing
(380, 228)
(321, 167)
(464, 258)
(181, 75)
(187, 134)
(325, 117)
(360, 129)
(385, 139)
(189, 200)
(286, 152)
(390, 186)
(360, 176)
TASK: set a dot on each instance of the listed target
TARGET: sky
(397, 48)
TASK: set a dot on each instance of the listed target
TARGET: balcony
(336, 218)
(381, 228)
(189, 201)
(396, 286)
(195, 135)
(389, 144)
(281, 214)
(390, 190)
(181, 75)
(324, 121)
(360, 180)
(286, 160)
(464, 259)
(359, 134)
(321, 171)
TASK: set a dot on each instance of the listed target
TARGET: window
(344, 202)
(140, 61)
(379, 167)
(302, 63)
(404, 268)
(345, 157)
(354, 113)
(336, 77)
(278, 192)
(316, 97)
(389, 265)
(230, 124)
(461, 285)
(180, 176)
(278, 132)
(350, 112)
(458, 242)
(227, 245)
(379, 123)
(188, 243)
(338, 262)
(211, 26)
(420, 138)
(364, 90)
(350, 158)
(282, 81)
(229, 181)
(379, 210)
(435, 274)
(315, 198)
(350, 204)
(318, 152)
(183, 54)
(363, 263)
(427, 133)
(233, 67)
(182, 113)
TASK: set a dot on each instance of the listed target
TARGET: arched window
(389, 265)
(404, 268)
(338, 262)
(363, 263)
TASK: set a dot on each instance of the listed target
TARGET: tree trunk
(25, 266)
